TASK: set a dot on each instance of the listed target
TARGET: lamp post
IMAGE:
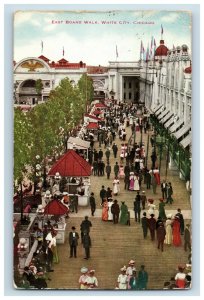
(37, 173)
(160, 142)
(147, 148)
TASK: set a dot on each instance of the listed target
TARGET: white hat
(22, 241)
(40, 206)
(131, 262)
(169, 216)
(64, 193)
(123, 268)
(92, 271)
(84, 270)
(47, 193)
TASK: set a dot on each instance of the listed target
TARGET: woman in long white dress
(136, 183)
(110, 215)
(151, 207)
(168, 225)
(116, 187)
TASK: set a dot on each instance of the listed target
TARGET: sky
(96, 42)
(87, 37)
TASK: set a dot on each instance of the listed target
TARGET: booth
(73, 166)
(77, 143)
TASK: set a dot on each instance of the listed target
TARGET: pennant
(162, 30)
(41, 46)
(116, 50)
(63, 51)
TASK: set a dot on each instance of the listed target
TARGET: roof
(55, 207)
(92, 125)
(161, 50)
(97, 112)
(78, 143)
(44, 58)
(71, 164)
(92, 117)
(100, 105)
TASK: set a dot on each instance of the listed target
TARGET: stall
(77, 143)
(73, 166)
(57, 209)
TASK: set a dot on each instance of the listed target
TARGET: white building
(30, 69)
(165, 88)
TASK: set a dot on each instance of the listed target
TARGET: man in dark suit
(73, 242)
(86, 244)
(115, 209)
(164, 189)
(144, 224)
(85, 226)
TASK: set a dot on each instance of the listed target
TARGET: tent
(92, 126)
(71, 165)
(78, 143)
(100, 105)
(55, 207)
(97, 112)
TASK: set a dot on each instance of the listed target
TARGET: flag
(162, 30)
(116, 49)
(63, 51)
(141, 50)
(41, 46)
(174, 47)
(154, 43)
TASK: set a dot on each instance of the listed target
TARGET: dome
(184, 48)
(188, 70)
(161, 50)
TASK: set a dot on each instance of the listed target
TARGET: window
(124, 95)
(130, 85)
(130, 95)
(124, 85)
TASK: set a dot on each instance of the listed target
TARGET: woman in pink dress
(121, 172)
(131, 179)
(176, 232)
(105, 210)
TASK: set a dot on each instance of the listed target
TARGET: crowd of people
(133, 171)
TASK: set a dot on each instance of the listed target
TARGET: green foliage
(45, 129)
(22, 143)
(38, 86)
(85, 85)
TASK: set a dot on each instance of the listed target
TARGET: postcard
(102, 195)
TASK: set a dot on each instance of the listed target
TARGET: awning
(164, 113)
(176, 125)
(71, 164)
(182, 131)
(77, 143)
(159, 110)
(167, 117)
(169, 122)
(186, 141)
(92, 125)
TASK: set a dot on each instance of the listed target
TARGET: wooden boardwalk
(114, 245)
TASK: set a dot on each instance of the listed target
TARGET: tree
(85, 85)
(22, 148)
(38, 86)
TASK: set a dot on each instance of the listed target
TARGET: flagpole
(41, 47)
